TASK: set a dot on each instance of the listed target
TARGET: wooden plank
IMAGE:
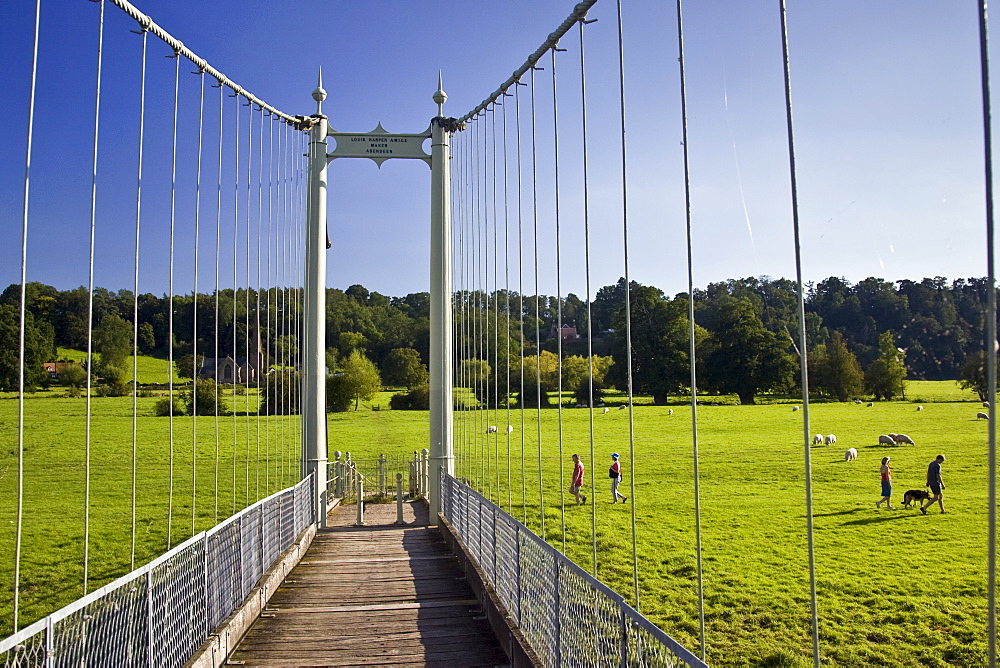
(373, 595)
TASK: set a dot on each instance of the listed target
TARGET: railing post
(381, 474)
(149, 619)
(558, 612)
(517, 568)
(50, 642)
(624, 661)
(314, 314)
(361, 503)
(424, 478)
(339, 473)
(399, 498)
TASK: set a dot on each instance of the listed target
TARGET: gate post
(314, 357)
(441, 316)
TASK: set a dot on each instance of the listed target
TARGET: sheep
(920, 408)
(622, 407)
(887, 440)
(869, 404)
(893, 437)
(606, 411)
(857, 401)
(982, 416)
(986, 404)
(492, 429)
(670, 411)
(850, 455)
(795, 408)
(831, 439)
(903, 438)
(510, 429)
(818, 439)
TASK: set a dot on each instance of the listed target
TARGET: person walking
(615, 472)
(577, 483)
(886, 471)
(936, 484)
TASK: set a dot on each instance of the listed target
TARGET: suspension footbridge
(214, 519)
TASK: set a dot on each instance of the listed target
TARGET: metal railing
(568, 617)
(378, 473)
(161, 613)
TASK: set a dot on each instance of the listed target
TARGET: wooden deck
(378, 595)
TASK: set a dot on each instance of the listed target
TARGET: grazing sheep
(670, 411)
(510, 429)
(857, 401)
(795, 408)
(869, 404)
(887, 440)
(818, 439)
(986, 404)
(982, 416)
(600, 405)
(606, 411)
(831, 439)
(903, 438)
(920, 408)
(893, 437)
(622, 407)
(850, 455)
(492, 429)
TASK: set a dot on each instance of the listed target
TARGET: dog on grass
(915, 496)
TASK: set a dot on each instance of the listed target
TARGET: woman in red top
(886, 484)
(577, 483)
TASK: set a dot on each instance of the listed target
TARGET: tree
(147, 341)
(837, 370)
(281, 393)
(187, 366)
(742, 356)
(884, 377)
(114, 382)
(203, 399)
(113, 340)
(974, 374)
(35, 351)
(74, 377)
(402, 366)
(361, 377)
(475, 374)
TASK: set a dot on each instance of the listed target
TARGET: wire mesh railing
(378, 473)
(567, 616)
(161, 613)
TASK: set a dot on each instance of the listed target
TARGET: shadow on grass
(897, 515)
(839, 512)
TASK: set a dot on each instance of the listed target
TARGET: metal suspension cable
(803, 357)
(236, 286)
(19, 530)
(991, 332)
(590, 342)
(135, 304)
(579, 12)
(480, 351)
(90, 301)
(538, 343)
(170, 317)
(496, 297)
(258, 354)
(246, 315)
(691, 331)
(462, 338)
(559, 323)
(520, 295)
(218, 251)
(506, 274)
(194, 308)
(628, 302)
(267, 317)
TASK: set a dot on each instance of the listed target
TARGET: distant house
(55, 368)
(567, 333)
(228, 370)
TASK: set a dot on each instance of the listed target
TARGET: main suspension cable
(559, 322)
(170, 317)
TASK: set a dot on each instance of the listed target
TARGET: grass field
(895, 588)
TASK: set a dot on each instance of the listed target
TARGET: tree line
(862, 337)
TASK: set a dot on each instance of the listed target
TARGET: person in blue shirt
(936, 484)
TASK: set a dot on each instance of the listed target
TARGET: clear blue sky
(887, 122)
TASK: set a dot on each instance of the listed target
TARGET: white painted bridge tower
(378, 145)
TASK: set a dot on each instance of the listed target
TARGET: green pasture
(149, 369)
(895, 588)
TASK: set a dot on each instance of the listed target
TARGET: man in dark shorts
(936, 484)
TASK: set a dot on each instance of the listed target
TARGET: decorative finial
(440, 96)
(319, 94)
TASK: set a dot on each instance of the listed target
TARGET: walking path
(380, 594)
